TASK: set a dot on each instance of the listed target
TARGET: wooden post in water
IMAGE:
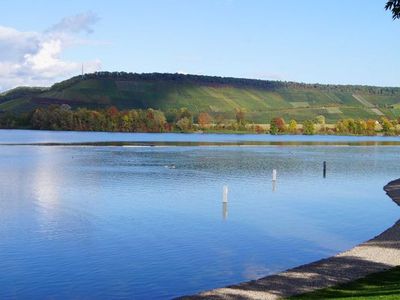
(274, 175)
(324, 170)
(225, 194)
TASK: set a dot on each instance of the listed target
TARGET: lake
(107, 215)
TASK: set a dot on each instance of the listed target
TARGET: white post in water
(225, 194)
(273, 175)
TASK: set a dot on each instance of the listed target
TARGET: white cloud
(76, 24)
(13, 43)
(35, 58)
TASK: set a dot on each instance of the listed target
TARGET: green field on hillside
(262, 100)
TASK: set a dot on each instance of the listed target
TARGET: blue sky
(342, 41)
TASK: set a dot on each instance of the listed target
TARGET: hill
(262, 100)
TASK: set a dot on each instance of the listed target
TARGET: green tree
(394, 7)
(184, 124)
(292, 127)
(341, 127)
(219, 119)
(184, 119)
(9, 120)
(240, 116)
(126, 122)
(387, 126)
(39, 119)
(308, 127)
(184, 113)
(320, 119)
(360, 127)
(159, 121)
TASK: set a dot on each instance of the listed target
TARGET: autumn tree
(370, 127)
(204, 119)
(258, 129)
(277, 125)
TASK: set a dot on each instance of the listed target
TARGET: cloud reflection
(47, 181)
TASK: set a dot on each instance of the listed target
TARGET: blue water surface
(149, 223)
(43, 136)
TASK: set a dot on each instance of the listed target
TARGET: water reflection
(273, 185)
(46, 181)
(225, 210)
(111, 218)
(225, 202)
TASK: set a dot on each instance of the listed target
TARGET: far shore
(378, 254)
(17, 137)
(218, 131)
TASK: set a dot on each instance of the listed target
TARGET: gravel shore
(378, 254)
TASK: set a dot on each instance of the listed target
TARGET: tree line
(342, 127)
(62, 117)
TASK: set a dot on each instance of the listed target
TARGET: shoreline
(375, 255)
(208, 144)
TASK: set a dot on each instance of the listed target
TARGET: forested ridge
(219, 97)
(217, 80)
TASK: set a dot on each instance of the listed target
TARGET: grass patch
(14, 104)
(377, 111)
(300, 104)
(383, 285)
(333, 110)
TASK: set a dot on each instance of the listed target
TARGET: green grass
(382, 100)
(14, 104)
(333, 110)
(383, 285)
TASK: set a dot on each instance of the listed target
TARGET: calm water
(120, 222)
(45, 137)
